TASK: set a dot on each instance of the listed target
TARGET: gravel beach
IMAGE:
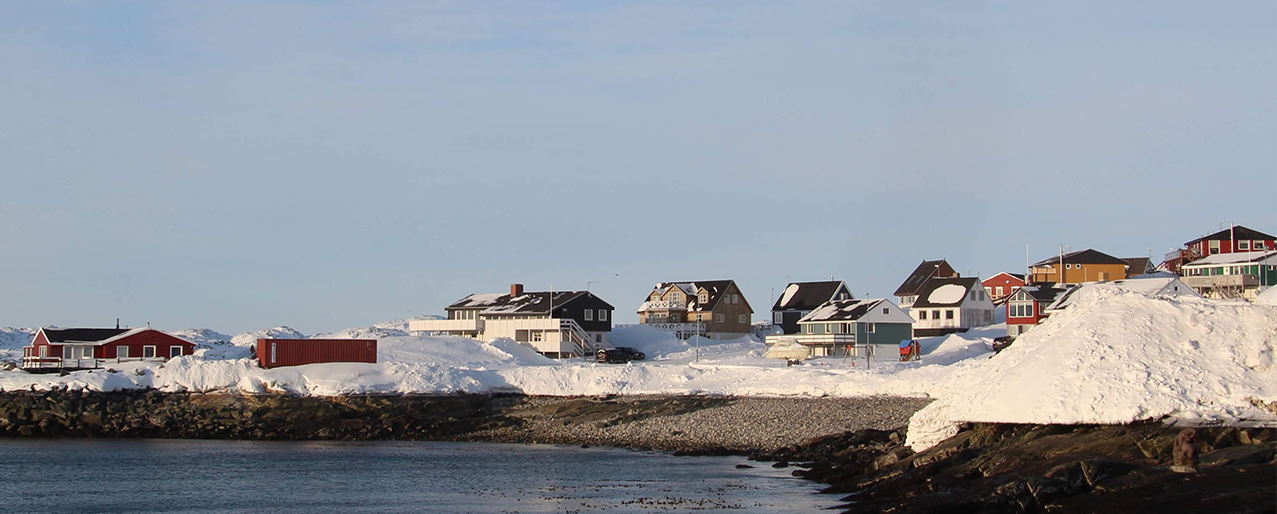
(694, 424)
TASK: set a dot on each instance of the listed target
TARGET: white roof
(1236, 257)
(1152, 286)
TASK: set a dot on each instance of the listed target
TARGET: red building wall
(273, 353)
(1007, 282)
(1225, 246)
(136, 344)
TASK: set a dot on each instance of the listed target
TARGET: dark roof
(716, 288)
(1043, 294)
(924, 295)
(526, 303)
(1138, 266)
(841, 310)
(81, 335)
(1087, 256)
(1227, 235)
(1019, 276)
(808, 295)
(924, 271)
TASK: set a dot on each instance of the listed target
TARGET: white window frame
(537, 336)
(1243, 245)
(174, 351)
(589, 315)
(66, 352)
(602, 314)
(702, 298)
(871, 328)
(742, 319)
(152, 349)
(735, 298)
(778, 317)
(121, 352)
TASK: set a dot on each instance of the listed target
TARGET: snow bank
(1117, 357)
(1268, 297)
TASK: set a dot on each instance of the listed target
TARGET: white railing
(663, 305)
(60, 363)
(1213, 281)
(578, 336)
(815, 339)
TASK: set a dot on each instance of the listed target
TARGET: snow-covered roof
(840, 310)
(715, 288)
(1269, 257)
(1154, 286)
(805, 296)
(525, 303)
(945, 292)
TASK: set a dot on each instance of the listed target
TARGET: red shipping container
(273, 353)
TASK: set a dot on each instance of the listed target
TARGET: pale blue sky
(330, 165)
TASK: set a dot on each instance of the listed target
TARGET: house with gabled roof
(711, 308)
(66, 349)
(839, 327)
(907, 293)
(1160, 286)
(1234, 239)
(1026, 307)
(558, 324)
(1078, 267)
(1000, 286)
(800, 298)
(950, 305)
(1232, 275)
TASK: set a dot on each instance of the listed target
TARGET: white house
(949, 305)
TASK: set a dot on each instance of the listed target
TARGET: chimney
(516, 289)
(117, 322)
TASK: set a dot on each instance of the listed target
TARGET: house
(1166, 287)
(557, 324)
(801, 298)
(714, 308)
(1234, 239)
(1232, 275)
(1136, 266)
(56, 349)
(1000, 286)
(836, 327)
(1078, 267)
(907, 293)
(1026, 307)
(949, 305)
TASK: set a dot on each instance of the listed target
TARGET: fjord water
(96, 475)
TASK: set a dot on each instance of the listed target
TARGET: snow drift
(1117, 357)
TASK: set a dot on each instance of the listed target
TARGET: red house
(1026, 307)
(1000, 286)
(1230, 240)
(56, 349)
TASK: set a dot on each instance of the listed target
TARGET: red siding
(136, 344)
(273, 353)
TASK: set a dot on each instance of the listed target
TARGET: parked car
(612, 356)
(635, 354)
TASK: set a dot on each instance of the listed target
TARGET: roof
(1232, 258)
(1087, 256)
(1042, 294)
(924, 271)
(526, 303)
(1137, 266)
(841, 310)
(81, 335)
(945, 292)
(805, 296)
(1241, 232)
(1148, 286)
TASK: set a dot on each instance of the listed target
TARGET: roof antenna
(117, 323)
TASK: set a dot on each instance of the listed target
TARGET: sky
(326, 165)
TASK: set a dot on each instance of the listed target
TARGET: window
(948, 314)
(886, 310)
(66, 352)
(810, 329)
(1020, 309)
(720, 318)
(703, 298)
(589, 315)
(778, 318)
(175, 351)
(998, 291)
(1243, 245)
(148, 351)
(598, 338)
(743, 320)
(922, 314)
(602, 314)
(829, 328)
(871, 328)
(536, 336)
(675, 297)
(121, 352)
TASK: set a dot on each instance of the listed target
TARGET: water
(181, 476)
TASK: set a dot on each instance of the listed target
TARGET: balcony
(662, 305)
(445, 325)
(815, 339)
(1205, 282)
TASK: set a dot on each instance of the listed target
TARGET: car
(635, 354)
(612, 356)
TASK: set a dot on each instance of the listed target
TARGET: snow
(280, 332)
(1120, 356)
(1115, 356)
(789, 293)
(947, 294)
(1268, 297)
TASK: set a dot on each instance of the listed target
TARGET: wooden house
(57, 349)
(557, 324)
(949, 305)
(1235, 239)
(800, 298)
(837, 327)
(907, 293)
(1078, 267)
(711, 308)
(1000, 286)
(1026, 307)
(1232, 275)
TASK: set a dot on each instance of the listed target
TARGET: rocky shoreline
(853, 444)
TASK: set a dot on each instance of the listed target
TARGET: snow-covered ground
(1115, 356)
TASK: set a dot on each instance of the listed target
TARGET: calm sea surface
(82, 475)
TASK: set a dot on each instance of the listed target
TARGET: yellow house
(1078, 267)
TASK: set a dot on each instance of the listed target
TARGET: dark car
(612, 356)
(634, 353)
